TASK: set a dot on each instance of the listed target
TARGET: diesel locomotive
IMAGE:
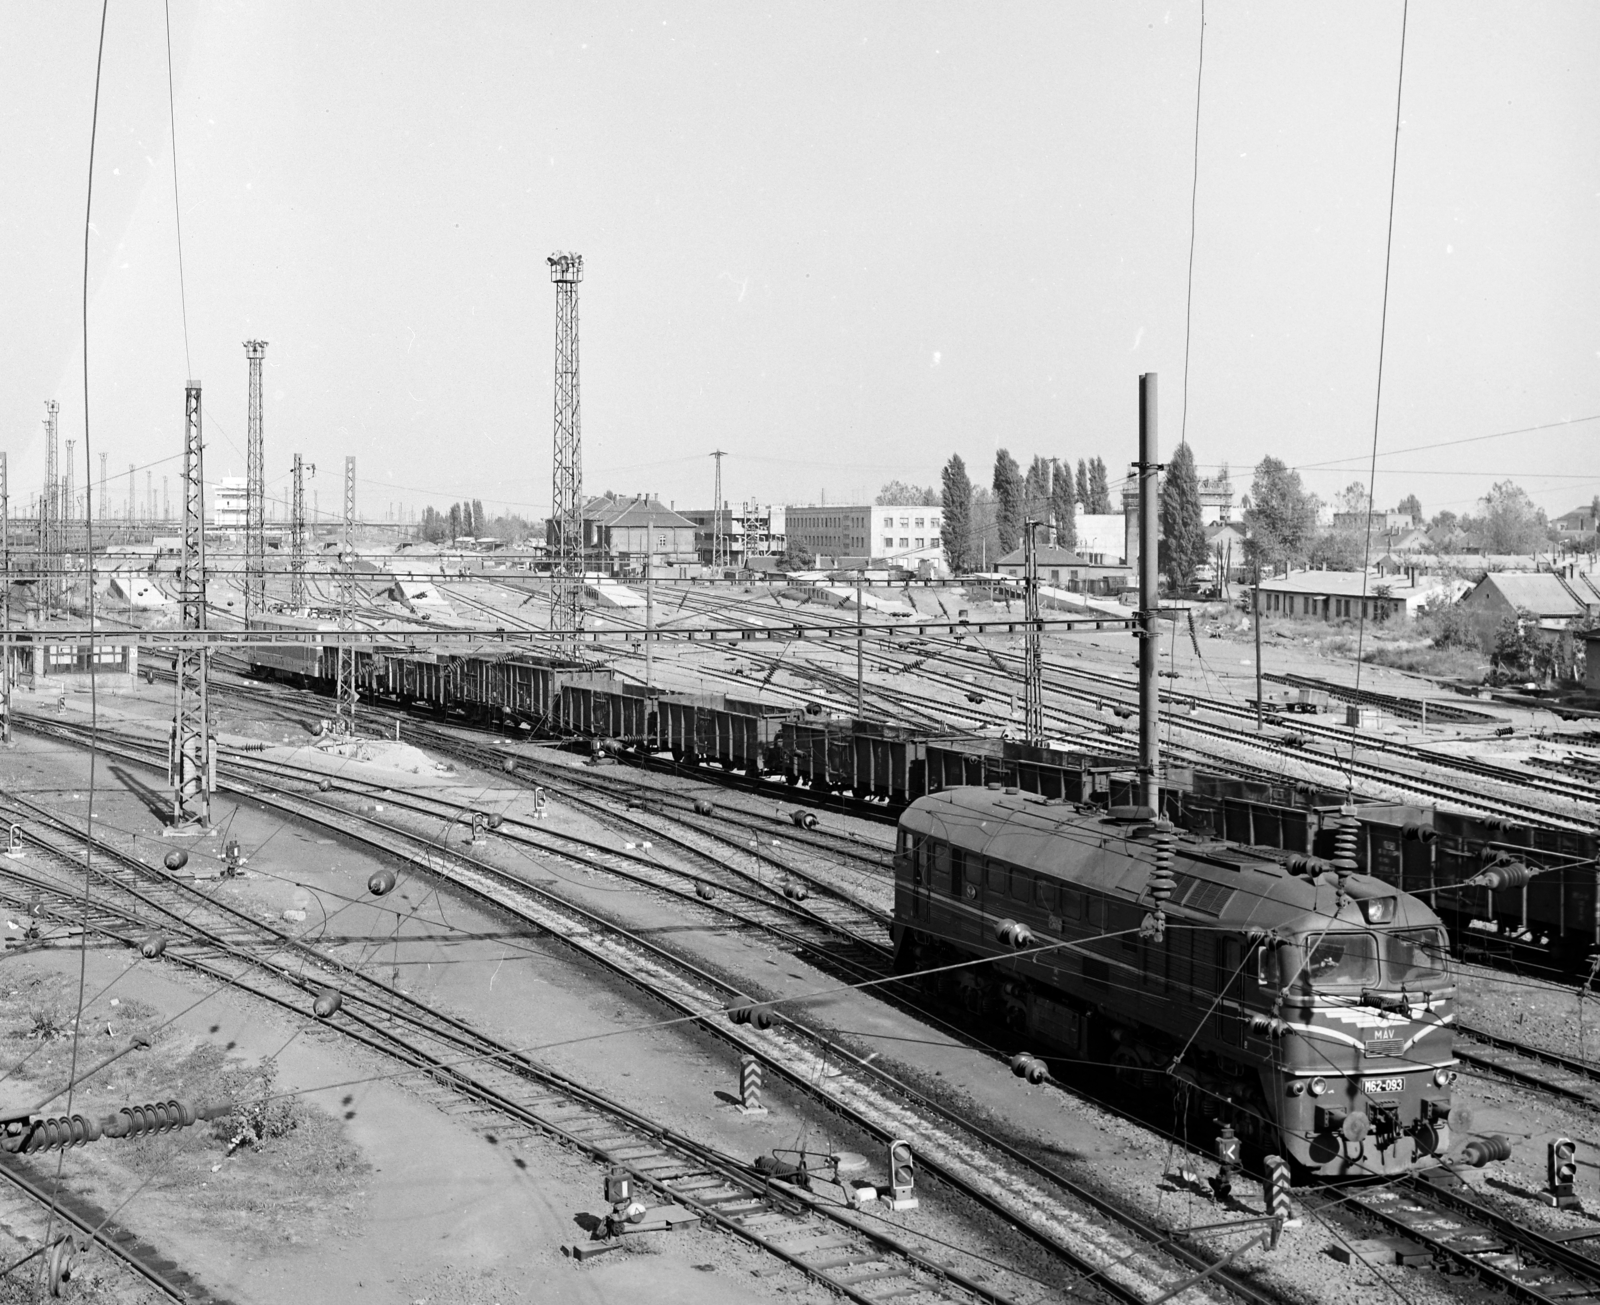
(1305, 1004)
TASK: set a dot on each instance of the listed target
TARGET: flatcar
(1308, 1008)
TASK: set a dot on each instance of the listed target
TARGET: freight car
(1309, 1010)
(1545, 914)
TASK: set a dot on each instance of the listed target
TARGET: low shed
(49, 664)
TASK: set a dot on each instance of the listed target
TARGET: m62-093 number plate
(1382, 1086)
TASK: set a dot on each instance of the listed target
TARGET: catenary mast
(566, 490)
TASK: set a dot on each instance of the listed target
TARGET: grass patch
(1468, 664)
(272, 1170)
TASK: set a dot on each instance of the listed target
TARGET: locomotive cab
(1362, 999)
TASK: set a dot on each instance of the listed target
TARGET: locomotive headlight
(1443, 1077)
(1319, 1085)
(1378, 910)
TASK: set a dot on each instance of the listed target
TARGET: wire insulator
(158, 1117)
(53, 1135)
(1344, 848)
(1162, 881)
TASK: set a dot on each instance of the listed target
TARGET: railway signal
(231, 858)
(902, 1177)
(1562, 1170)
(14, 843)
(1228, 1159)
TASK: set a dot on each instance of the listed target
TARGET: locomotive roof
(1220, 883)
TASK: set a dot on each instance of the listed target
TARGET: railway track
(1097, 1238)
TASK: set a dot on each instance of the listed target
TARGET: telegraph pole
(345, 686)
(566, 495)
(192, 761)
(1149, 601)
(1032, 654)
(255, 506)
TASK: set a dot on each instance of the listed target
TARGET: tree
(1061, 506)
(1411, 505)
(1511, 523)
(480, 523)
(1183, 533)
(1084, 493)
(796, 557)
(1099, 499)
(897, 493)
(1008, 495)
(1338, 550)
(455, 521)
(1036, 490)
(1353, 499)
(1443, 520)
(955, 504)
(1280, 517)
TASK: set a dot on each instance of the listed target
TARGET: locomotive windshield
(1414, 956)
(1337, 959)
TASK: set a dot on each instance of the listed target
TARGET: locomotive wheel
(1131, 1072)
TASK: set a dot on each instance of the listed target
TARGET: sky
(839, 242)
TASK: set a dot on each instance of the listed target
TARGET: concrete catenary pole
(191, 763)
(255, 494)
(565, 533)
(1149, 600)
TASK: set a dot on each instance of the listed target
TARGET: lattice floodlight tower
(345, 686)
(191, 763)
(255, 503)
(565, 533)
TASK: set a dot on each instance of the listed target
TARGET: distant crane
(565, 535)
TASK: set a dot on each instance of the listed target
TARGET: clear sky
(839, 241)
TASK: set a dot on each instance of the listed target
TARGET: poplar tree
(1082, 492)
(1036, 490)
(1062, 493)
(1099, 495)
(1183, 533)
(1008, 494)
(955, 530)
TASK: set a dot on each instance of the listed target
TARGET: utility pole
(255, 530)
(297, 538)
(1032, 654)
(102, 487)
(150, 496)
(566, 494)
(1149, 601)
(191, 759)
(5, 601)
(133, 515)
(719, 538)
(345, 684)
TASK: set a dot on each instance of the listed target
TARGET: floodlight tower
(345, 685)
(255, 530)
(191, 762)
(565, 534)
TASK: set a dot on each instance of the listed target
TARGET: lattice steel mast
(1032, 654)
(255, 503)
(191, 761)
(345, 686)
(297, 538)
(565, 535)
(49, 507)
(64, 531)
(719, 536)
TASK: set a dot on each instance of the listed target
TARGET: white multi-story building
(230, 503)
(885, 536)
